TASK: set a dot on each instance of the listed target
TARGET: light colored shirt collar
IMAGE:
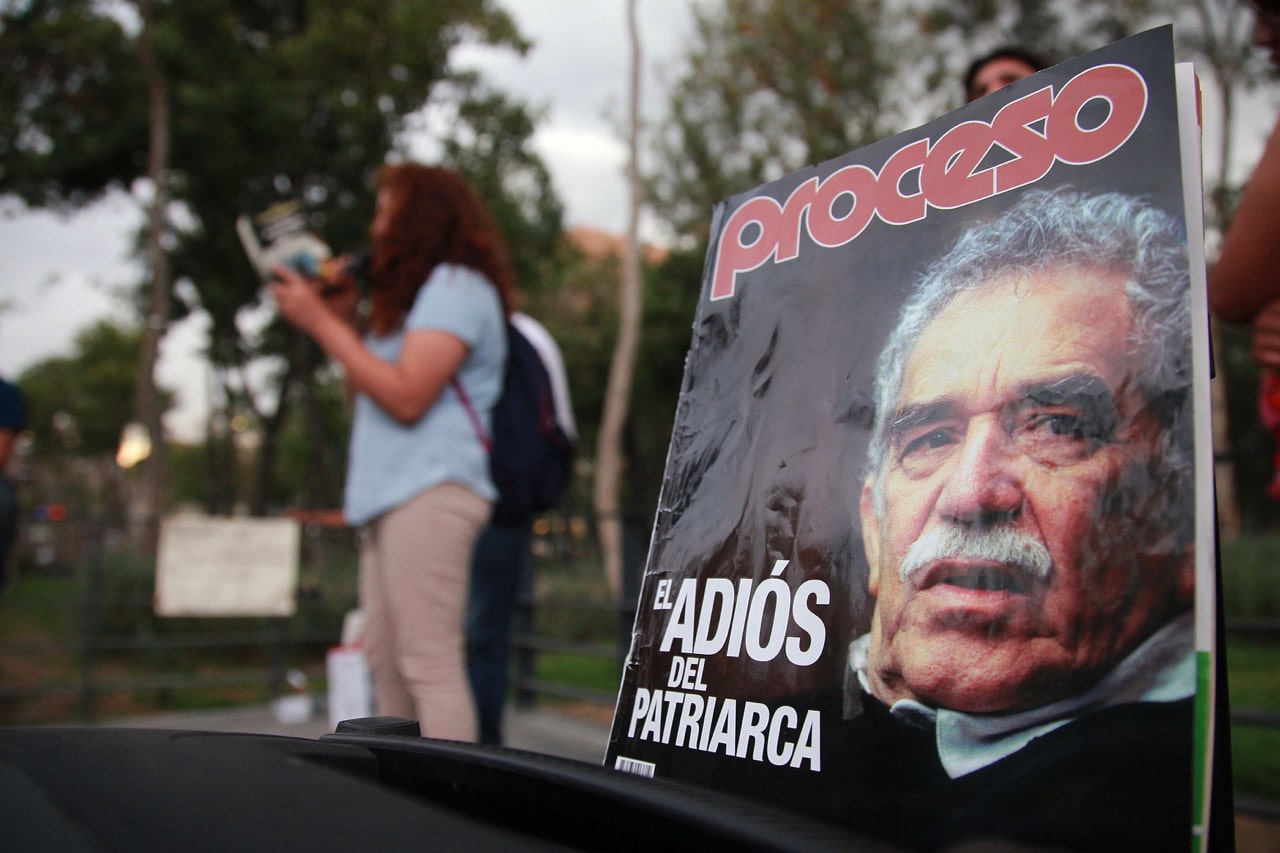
(1162, 669)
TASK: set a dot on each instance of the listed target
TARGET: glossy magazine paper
(974, 601)
(282, 235)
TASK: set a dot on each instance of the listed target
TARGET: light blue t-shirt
(389, 462)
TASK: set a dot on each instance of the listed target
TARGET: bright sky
(61, 275)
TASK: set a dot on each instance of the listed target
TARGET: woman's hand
(298, 300)
(338, 288)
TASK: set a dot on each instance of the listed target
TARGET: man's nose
(984, 484)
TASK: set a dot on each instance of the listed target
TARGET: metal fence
(79, 639)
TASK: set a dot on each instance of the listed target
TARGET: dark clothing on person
(13, 420)
(501, 569)
(1115, 779)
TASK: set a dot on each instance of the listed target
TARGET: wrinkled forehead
(1024, 327)
(1056, 314)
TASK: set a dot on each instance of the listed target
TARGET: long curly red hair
(436, 217)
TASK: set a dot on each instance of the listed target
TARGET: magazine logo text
(1034, 132)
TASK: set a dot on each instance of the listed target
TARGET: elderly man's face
(1020, 466)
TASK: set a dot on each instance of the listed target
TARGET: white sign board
(207, 566)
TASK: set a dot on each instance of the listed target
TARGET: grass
(580, 671)
(1253, 681)
(1251, 590)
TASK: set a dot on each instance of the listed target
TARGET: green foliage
(189, 469)
(488, 140)
(766, 88)
(313, 448)
(72, 111)
(78, 403)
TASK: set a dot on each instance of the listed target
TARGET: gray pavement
(540, 730)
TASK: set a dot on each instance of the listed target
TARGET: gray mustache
(1003, 545)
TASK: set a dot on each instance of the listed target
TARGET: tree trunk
(146, 402)
(609, 461)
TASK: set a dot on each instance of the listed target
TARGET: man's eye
(1065, 425)
(922, 451)
(925, 442)
(1058, 437)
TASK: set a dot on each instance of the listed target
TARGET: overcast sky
(61, 275)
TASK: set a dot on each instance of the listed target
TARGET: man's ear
(870, 538)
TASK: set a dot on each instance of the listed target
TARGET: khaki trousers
(414, 569)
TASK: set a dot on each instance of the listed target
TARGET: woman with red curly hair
(418, 480)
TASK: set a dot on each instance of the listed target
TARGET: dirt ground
(1254, 835)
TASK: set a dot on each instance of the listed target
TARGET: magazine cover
(282, 235)
(933, 557)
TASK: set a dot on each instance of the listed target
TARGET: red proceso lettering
(836, 210)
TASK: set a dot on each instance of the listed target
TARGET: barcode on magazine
(630, 765)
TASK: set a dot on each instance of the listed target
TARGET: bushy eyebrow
(1082, 390)
(1085, 392)
(910, 417)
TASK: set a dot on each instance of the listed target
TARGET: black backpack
(530, 456)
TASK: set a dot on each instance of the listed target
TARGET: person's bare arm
(1246, 277)
(406, 389)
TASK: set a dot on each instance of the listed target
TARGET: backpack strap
(485, 441)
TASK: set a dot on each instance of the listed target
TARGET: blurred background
(133, 132)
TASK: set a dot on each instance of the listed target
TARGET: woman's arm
(1246, 276)
(406, 389)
